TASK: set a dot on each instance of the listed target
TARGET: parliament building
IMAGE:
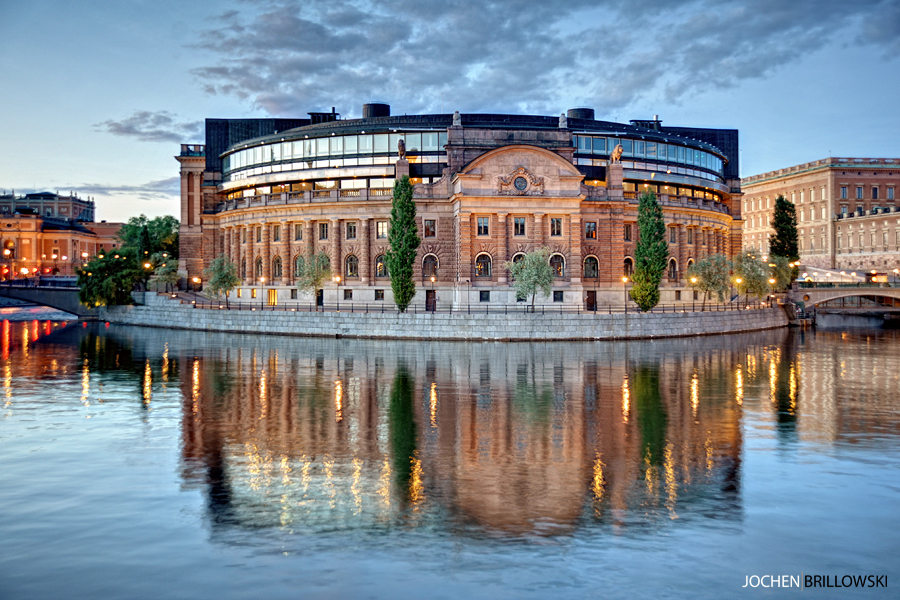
(487, 188)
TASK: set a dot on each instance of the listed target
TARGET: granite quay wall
(161, 312)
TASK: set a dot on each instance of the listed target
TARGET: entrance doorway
(430, 300)
(320, 297)
(591, 300)
(273, 297)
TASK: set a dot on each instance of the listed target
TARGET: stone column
(465, 248)
(337, 269)
(503, 242)
(309, 233)
(365, 253)
(539, 233)
(248, 249)
(287, 274)
(575, 259)
(266, 252)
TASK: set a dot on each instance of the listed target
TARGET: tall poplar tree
(404, 241)
(784, 222)
(650, 253)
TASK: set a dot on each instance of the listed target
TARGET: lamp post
(65, 260)
(738, 282)
(693, 298)
(772, 284)
(196, 286)
(262, 294)
(625, 291)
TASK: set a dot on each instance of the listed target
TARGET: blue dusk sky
(98, 95)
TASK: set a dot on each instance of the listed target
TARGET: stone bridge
(814, 296)
(60, 298)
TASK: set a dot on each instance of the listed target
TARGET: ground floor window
(348, 294)
(557, 296)
(484, 296)
(379, 294)
(293, 294)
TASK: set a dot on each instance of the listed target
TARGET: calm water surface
(149, 463)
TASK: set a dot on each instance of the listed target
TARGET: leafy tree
(312, 271)
(108, 281)
(532, 274)
(709, 276)
(144, 243)
(161, 231)
(167, 272)
(221, 277)
(753, 274)
(781, 271)
(403, 237)
(650, 253)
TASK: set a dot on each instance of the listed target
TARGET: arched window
(243, 267)
(381, 269)
(591, 268)
(519, 257)
(276, 267)
(429, 266)
(483, 265)
(673, 270)
(628, 267)
(690, 263)
(352, 267)
(558, 264)
(259, 267)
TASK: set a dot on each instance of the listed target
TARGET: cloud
(160, 126)
(154, 190)
(289, 57)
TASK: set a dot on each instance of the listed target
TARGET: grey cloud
(160, 126)
(290, 58)
(153, 190)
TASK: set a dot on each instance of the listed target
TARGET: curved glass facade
(649, 155)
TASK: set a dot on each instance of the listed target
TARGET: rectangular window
(844, 209)
(677, 294)
(843, 192)
(259, 234)
(874, 193)
(348, 294)
(590, 230)
(430, 229)
(690, 235)
(253, 293)
(859, 192)
(519, 226)
(890, 195)
(276, 233)
(555, 226)
(484, 225)
(379, 294)
(484, 296)
(293, 293)
(351, 230)
(323, 231)
(298, 232)
(557, 295)
(381, 230)
(824, 212)
(672, 235)
(884, 240)
(626, 235)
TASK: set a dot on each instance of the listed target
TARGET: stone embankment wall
(159, 311)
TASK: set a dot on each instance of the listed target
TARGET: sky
(98, 95)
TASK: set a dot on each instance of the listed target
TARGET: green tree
(312, 271)
(167, 272)
(531, 274)
(710, 276)
(781, 271)
(161, 231)
(109, 281)
(784, 222)
(650, 253)
(221, 277)
(403, 237)
(751, 275)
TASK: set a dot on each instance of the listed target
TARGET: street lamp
(196, 282)
(738, 282)
(625, 291)
(693, 301)
(262, 295)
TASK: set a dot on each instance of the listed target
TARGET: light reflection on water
(490, 468)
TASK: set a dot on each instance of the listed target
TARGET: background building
(488, 187)
(49, 234)
(847, 213)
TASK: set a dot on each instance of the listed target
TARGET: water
(151, 463)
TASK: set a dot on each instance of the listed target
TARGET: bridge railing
(835, 284)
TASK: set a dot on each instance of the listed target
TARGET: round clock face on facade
(520, 183)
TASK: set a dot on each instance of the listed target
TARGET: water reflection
(315, 436)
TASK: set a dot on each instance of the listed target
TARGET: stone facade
(847, 212)
(494, 188)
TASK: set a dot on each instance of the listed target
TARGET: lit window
(484, 225)
(381, 269)
(555, 226)
(352, 267)
(276, 233)
(430, 229)
(558, 264)
(379, 294)
(590, 230)
(483, 266)
(381, 230)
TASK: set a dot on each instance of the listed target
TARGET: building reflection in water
(314, 435)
